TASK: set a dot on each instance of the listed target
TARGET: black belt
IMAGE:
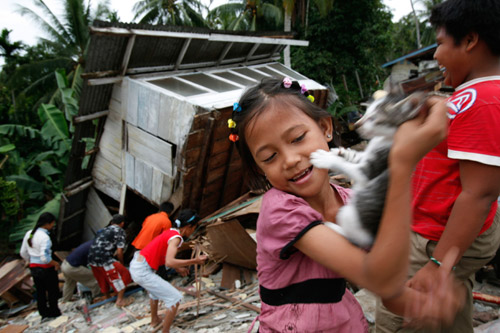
(309, 291)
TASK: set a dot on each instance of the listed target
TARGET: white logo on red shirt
(461, 102)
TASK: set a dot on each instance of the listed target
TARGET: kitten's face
(385, 114)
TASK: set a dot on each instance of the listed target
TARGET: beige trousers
(481, 251)
(81, 274)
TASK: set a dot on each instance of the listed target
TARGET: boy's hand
(418, 136)
(440, 295)
(201, 259)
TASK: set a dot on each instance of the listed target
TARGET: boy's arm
(172, 262)
(480, 188)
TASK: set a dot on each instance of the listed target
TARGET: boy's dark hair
(43, 219)
(187, 217)
(166, 207)
(254, 101)
(117, 219)
(460, 17)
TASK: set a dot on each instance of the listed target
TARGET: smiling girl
(301, 263)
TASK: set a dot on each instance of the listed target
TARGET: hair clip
(234, 137)
(303, 89)
(287, 82)
(311, 98)
(237, 107)
(231, 123)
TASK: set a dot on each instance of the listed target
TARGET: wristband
(434, 260)
(437, 262)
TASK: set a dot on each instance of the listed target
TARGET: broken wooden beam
(234, 300)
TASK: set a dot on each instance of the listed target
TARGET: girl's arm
(384, 269)
(173, 262)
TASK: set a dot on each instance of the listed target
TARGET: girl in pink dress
(301, 263)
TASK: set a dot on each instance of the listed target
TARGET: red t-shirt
(152, 226)
(156, 250)
(473, 135)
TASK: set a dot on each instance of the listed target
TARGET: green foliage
(37, 171)
(29, 222)
(8, 198)
(355, 36)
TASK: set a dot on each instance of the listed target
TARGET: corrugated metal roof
(412, 55)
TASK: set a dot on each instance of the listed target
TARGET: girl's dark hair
(187, 217)
(253, 102)
(460, 17)
(43, 219)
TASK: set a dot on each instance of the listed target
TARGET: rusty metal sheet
(230, 241)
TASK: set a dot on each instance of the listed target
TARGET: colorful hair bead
(234, 137)
(236, 107)
(311, 98)
(303, 89)
(231, 123)
(287, 82)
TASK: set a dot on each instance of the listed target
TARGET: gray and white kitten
(358, 221)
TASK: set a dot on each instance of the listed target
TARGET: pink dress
(297, 293)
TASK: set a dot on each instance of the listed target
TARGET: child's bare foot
(156, 321)
(124, 302)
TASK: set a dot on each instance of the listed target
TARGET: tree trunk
(288, 28)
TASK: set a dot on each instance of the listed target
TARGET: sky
(25, 30)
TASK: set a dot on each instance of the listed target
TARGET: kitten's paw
(325, 159)
(350, 155)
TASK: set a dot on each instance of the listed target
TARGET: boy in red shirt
(161, 251)
(457, 184)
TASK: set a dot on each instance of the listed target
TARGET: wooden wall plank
(143, 178)
(106, 185)
(130, 170)
(175, 119)
(148, 108)
(117, 92)
(97, 215)
(132, 100)
(150, 149)
(167, 189)
(107, 167)
(115, 105)
(138, 167)
(157, 186)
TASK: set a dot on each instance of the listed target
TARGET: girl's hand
(418, 136)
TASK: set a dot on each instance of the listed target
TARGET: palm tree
(246, 15)
(170, 12)
(66, 42)
(323, 6)
(9, 49)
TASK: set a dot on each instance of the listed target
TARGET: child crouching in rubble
(162, 251)
(301, 264)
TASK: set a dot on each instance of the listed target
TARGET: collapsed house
(152, 122)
